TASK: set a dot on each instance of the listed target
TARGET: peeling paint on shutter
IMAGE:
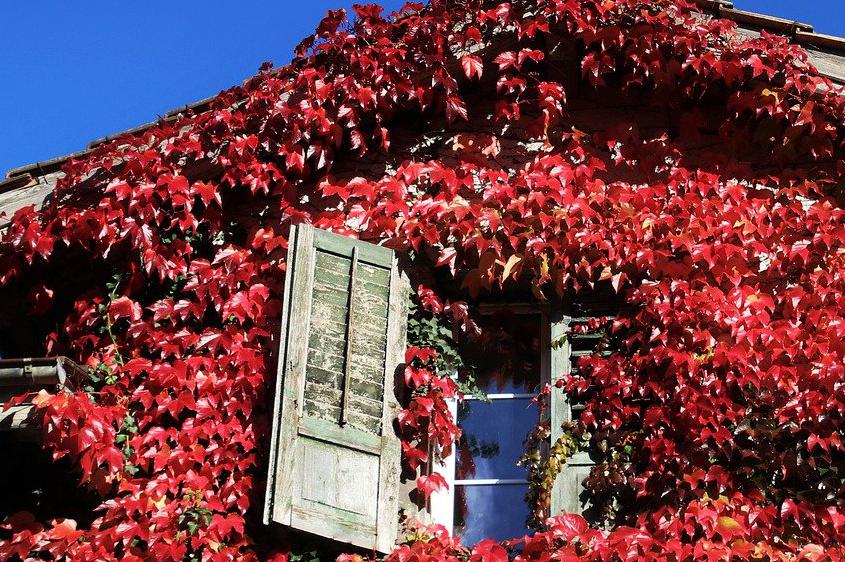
(335, 458)
(344, 376)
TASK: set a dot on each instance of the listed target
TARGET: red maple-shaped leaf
(489, 550)
(569, 525)
(472, 65)
(430, 483)
(505, 60)
(456, 108)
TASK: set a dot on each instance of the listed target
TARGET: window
(486, 477)
(486, 496)
(335, 457)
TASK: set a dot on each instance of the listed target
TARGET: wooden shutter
(335, 458)
(568, 493)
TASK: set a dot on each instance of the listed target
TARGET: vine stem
(112, 295)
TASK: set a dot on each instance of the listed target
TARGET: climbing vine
(720, 226)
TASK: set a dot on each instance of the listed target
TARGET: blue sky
(71, 72)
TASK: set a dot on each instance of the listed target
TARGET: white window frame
(442, 503)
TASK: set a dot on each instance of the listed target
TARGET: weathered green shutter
(568, 492)
(335, 458)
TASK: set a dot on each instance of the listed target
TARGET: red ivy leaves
(416, 356)
(472, 65)
(427, 484)
(427, 421)
(456, 108)
(721, 417)
(488, 551)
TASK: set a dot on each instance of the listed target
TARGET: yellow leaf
(512, 263)
(768, 92)
(727, 527)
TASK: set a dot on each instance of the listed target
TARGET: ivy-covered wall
(527, 147)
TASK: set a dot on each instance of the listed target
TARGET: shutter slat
(324, 376)
(337, 330)
(331, 295)
(333, 313)
(324, 360)
(328, 275)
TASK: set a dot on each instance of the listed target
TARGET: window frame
(441, 504)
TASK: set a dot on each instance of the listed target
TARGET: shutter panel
(568, 491)
(335, 458)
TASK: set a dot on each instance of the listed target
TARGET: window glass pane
(493, 435)
(506, 357)
(495, 511)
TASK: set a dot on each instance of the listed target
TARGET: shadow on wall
(35, 483)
